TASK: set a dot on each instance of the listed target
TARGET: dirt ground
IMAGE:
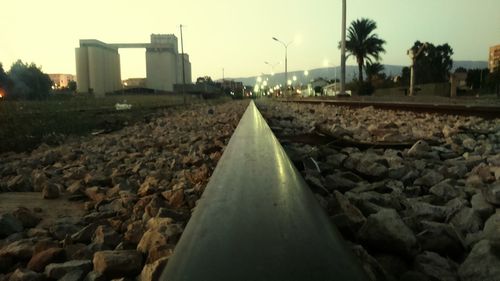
(51, 210)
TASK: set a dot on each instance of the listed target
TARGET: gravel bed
(426, 211)
(136, 189)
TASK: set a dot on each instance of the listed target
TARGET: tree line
(24, 81)
(433, 64)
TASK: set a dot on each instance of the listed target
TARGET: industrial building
(98, 65)
(494, 60)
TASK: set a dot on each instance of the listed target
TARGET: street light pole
(272, 65)
(286, 59)
(183, 71)
(342, 53)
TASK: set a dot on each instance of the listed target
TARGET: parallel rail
(258, 220)
(484, 111)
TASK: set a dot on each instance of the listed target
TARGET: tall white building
(98, 64)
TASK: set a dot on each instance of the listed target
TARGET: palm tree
(372, 70)
(363, 44)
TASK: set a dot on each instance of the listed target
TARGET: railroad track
(485, 111)
(258, 220)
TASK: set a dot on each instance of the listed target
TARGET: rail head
(480, 110)
(258, 220)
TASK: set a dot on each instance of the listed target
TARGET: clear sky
(236, 35)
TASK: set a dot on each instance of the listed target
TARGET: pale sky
(236, 35)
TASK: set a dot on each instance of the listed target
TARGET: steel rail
(258, 220)
(485, 111)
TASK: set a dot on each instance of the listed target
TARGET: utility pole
(223, 75)
(342, 52)
(183, 70)
(286, 60)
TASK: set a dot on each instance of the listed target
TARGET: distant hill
(351, 72)
(468, 64)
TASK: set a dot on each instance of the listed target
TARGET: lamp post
(183, 71)
(272, 65)
(286, 58)
(342, 53)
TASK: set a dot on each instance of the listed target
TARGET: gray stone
(419, 150)
(338, 182)
(75, 188)
(153, 271)
(346, 217)
(38, 179)
(50, 191)
(469, 144)
(58, 270)
(436, 267)
(95, 193)
(9, 225)
(21, 274)
(97, 178)
(106, 236)
(494, 160)
(85, 234)
(116, 264)
(441, 238)
(76, 275)
(41, 259)
(63, 229)
(481, 264)
(149, 186)
(314, 183)
(455, 170)
(369, 167)
(483, 208)
(159, 223)
(492, 193)
(150, 239)
(410, 177)
(397, 172)
(424, 211)
(336, 160)
(382, 200)
(95, 276)
(454, 206)
(467, 220)
(472, 239)
(485, 173)
(27, 217)
(134, 232)
(429, 178)
(19, 183)
(21, 249)
(370, 265)
(474, 181)
(392, 264)
(386, 232)
(492, 231)
(412, 191)
(446, 191)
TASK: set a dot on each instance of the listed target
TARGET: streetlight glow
(272, 65)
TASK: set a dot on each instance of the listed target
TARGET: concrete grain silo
(98, 64)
